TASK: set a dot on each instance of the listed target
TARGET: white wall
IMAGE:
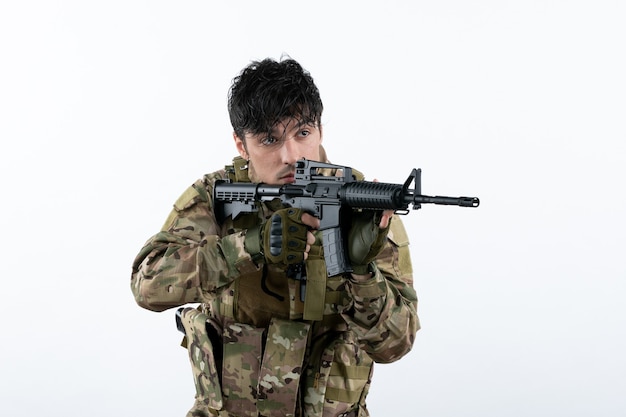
(109, 110)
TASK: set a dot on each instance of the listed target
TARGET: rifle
(325, 197)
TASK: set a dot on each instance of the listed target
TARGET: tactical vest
(257, 349)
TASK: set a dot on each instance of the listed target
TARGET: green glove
(365, 239)
(280, 239)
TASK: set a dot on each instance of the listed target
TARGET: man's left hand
(367, 237)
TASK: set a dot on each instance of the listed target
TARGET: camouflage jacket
(253, 350)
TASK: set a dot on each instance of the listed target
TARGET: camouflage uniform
(255, 348)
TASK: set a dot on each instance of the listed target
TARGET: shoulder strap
(238, 171)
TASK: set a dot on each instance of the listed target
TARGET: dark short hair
(267, 91)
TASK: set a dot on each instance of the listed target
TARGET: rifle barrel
(448, 201)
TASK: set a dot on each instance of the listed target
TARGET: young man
(259, 344)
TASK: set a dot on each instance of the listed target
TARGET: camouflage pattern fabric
(202, 359)
(195, 260)
(240, 372)
(282, 367)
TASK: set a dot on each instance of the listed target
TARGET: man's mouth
(288, 178)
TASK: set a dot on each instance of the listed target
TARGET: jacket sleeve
(187, 258)
(384, 314)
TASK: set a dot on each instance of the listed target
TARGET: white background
(109, 110)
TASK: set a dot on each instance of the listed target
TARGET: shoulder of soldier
(332, 172)
(397, 231)
(358, 175)
(200, 192)
(202, 189)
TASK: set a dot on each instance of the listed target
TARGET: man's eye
(305, 133)
(268, 141)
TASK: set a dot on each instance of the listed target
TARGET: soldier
(257, 347)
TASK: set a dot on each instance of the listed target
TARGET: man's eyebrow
(307, 123)
(278, 129)
(304, 122)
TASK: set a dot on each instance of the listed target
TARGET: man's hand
(367, 237)
(286, 236)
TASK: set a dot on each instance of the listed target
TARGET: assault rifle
(325, 196)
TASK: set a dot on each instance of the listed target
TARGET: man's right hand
(286, 237)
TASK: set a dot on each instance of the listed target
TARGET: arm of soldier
(188, 258)
(384, 315)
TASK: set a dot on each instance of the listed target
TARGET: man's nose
(290, 151)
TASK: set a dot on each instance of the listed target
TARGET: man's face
(272, 157)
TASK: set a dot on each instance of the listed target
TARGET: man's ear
(240, 144)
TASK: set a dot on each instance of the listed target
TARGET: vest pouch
(348, 378)
(243, 346)
(279, 380)
(315, 292)
(202, 358)
(341, 382)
